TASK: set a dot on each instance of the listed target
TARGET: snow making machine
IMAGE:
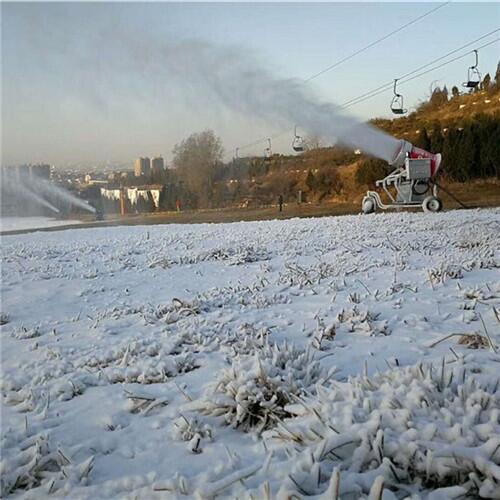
(410, 185)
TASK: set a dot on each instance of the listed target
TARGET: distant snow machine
(410, 185)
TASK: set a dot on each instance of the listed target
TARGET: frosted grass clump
(445, 271)
(192, 431)
(41, 464)
(244, 340)
(233, 255)
(150, 371)
(296, 275)
(356, 320)
(24, 333)
(421, 428)
(254, 391)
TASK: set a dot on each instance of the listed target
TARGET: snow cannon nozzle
(407, 149)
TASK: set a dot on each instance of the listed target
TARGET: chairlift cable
(385, 37)
(418, 75)
(338, 63)
(389, 85)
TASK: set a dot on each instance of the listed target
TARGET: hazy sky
(94, 82)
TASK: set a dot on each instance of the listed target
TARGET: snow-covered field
(281, 359)
(17, 223)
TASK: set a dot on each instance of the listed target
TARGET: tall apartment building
(157, 165)
(142, 166)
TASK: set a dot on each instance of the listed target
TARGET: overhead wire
(385, 37)
(422, 67)
(402, 82)
(354, 54)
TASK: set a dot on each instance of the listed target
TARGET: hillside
(449, 113)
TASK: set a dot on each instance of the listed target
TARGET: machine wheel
(368, 206)
(432, 204)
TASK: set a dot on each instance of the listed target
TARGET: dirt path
(474, 195)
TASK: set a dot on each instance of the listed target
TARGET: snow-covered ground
(279, 359)
(17, 223)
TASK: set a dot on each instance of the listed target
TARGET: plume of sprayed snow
(16, 185)
(39, 191)
(201, 73)
(52, 190)
(236, 79)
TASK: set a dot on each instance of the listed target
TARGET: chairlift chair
(473, 75)
(268, 152)
(298, 142)
(397, 102)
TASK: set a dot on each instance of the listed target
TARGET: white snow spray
(54, 191)
(18, 187)
(38, 190)
(119, 68)
(239, 81)
(206, 74)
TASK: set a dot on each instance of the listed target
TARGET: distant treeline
(469, 152)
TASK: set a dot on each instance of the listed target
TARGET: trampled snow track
(243, 359)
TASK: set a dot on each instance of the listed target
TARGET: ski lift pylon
(397, 101)
(473, 74)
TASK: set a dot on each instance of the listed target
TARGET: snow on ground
(18, 223)
(279, 359)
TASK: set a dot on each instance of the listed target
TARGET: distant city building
(142, 166)
(42, 170)
(157, 165)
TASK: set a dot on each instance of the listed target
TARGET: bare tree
(196, 159)
(314, 142)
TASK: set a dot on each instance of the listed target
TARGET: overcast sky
(95, 82)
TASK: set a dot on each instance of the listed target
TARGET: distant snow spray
(38, 190)
(14, 185)
(50, 189)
